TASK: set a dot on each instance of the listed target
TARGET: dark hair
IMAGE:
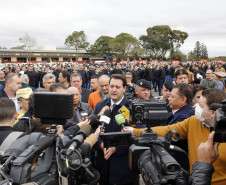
(7, 109)
(94, 77)
(75, 75)
(56, 86)
(198, 88)
(66, 74)
(185, 90)
(181, 72)
(213, 96)
(9, 77)
(120, 77)
(168, 85)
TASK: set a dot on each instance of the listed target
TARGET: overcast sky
(51, 21)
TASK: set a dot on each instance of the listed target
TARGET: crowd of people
(188, 88)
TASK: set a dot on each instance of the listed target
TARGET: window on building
(33, 58)
(66, 59)
(21, 59)
(55, 59)
(6, 59)
(45, 59)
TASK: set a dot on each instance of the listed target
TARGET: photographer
(196, 130)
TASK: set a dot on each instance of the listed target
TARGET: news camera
(41, 158)
(149, 155)
(149, 112)
(220, 119)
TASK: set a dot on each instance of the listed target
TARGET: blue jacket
(2, 92)
(118, 163)
(182, 114)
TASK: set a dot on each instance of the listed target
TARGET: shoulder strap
(8, 141)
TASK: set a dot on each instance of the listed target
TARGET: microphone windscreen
(107, 113)
(215, 106)
(120, 119)
(86, 129)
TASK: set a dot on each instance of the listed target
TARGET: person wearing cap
(23, 120)
(23, 97)
(219, 68)
(143, 90)
(217, 78)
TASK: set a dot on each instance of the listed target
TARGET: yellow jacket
(192, 130)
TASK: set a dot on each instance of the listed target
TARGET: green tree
(197, 51)
(161, 39)
(122, 44)
(204, 52)
(101, 46)
(178, 55)
(77, 40)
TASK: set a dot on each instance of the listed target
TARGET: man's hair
(66, 74)
(168, 85)
(198, 88)
(23, 78)
(9, 77)
(213, 96)
(120, 77)
(181, 72)
(7, 109)
(56, 86)
(128, 73)
(94, 77)
(48, 76)
(75, 75)
(185, 90)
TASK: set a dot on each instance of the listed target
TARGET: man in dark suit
(112, 163)
(76, 81)
(180, 101)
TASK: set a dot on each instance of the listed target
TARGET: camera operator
(196, 129)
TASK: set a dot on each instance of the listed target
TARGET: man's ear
(16, 115)
(213, 113)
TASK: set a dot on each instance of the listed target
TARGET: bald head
(103, 82)
(76, 93)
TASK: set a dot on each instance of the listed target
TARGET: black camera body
(148, 155)
(149, 112)
(220, 123)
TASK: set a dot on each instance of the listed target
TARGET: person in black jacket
(112, 163)
(161, 78)
(7, 117)
(117, 69)
(83, 74)
(148, 73)
(33, 76)
(57, 72)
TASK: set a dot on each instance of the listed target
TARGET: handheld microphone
(120, 120)
(105, 119)
(78, 139)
